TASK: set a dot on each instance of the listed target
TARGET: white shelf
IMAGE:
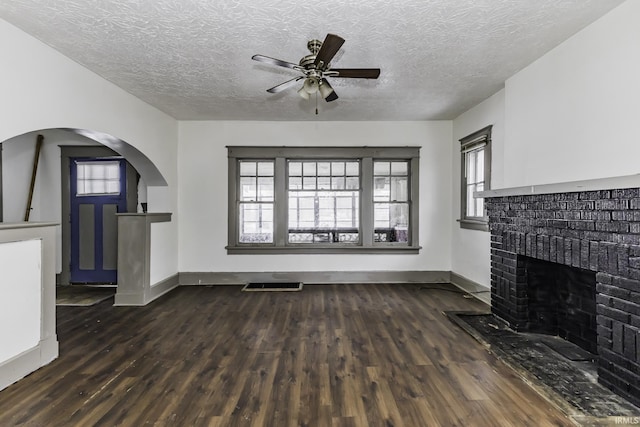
(613, 183)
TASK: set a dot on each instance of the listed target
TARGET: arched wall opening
(16, 167)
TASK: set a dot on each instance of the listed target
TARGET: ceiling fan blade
(273, 61)
(357, 73)
(330, 46)
(285, 85)
(331, 95)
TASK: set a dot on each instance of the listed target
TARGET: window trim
(481, 137)
(280, 155)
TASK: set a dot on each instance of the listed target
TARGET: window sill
(474, 224)
(275, 250)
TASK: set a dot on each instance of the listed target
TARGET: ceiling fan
(316, 67)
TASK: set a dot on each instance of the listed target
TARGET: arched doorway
(52, 201)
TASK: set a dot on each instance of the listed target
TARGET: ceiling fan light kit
(303, 93)
(316, 67)
(325, 89)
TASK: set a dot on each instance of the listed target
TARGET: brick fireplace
(597, 235)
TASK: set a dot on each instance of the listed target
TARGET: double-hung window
(323, 199)
(476, 175)
(255, 201)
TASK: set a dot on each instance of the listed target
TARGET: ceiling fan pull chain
(316, 103)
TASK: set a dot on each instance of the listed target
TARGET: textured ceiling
(192, 58)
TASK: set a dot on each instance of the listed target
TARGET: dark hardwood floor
(346, 355)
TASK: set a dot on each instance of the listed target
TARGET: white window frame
(280, 156)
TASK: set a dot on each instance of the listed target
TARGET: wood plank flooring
(330, 355)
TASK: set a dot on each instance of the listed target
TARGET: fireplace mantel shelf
(612, 183)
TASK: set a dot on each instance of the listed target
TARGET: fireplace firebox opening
(562, 302)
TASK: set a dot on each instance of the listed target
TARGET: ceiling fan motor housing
(314, 46)
(308, 62)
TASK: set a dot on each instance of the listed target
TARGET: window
(98, 177)
(323, 199)
(255, 202)
(391, 201)
(476, 175)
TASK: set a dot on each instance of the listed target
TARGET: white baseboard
(479, 291)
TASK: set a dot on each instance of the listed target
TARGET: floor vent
(272, 287)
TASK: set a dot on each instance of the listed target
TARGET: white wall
(573, 114)
(202, 166)
(42, 89)
(570, 115)
(470, 249)
(20, 304)
(17, 156)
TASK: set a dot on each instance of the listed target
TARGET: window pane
(97, 178)
(324, 169)
(256, 223)
(471, 210)
(479, 202)
(381, 189)
(352, 169)
(295, 183)
(475, 182)
(309, 183)
(112, 187)
(295, 169)
(391, 221)
(399, 189)
(381, 168)
(353, 183)
(265, 168)
(248, 188)
(399, 168)
(265, 189)
(247, 168)
(381, 215)
(324, 183)
(337, 183)
(337, 168)
(309, 168)
(399, 215)
(471, 167)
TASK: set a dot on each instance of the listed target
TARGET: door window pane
(97, 178)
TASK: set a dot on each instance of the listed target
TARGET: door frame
(66, 153)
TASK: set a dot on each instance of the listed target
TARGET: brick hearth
(591, 230)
